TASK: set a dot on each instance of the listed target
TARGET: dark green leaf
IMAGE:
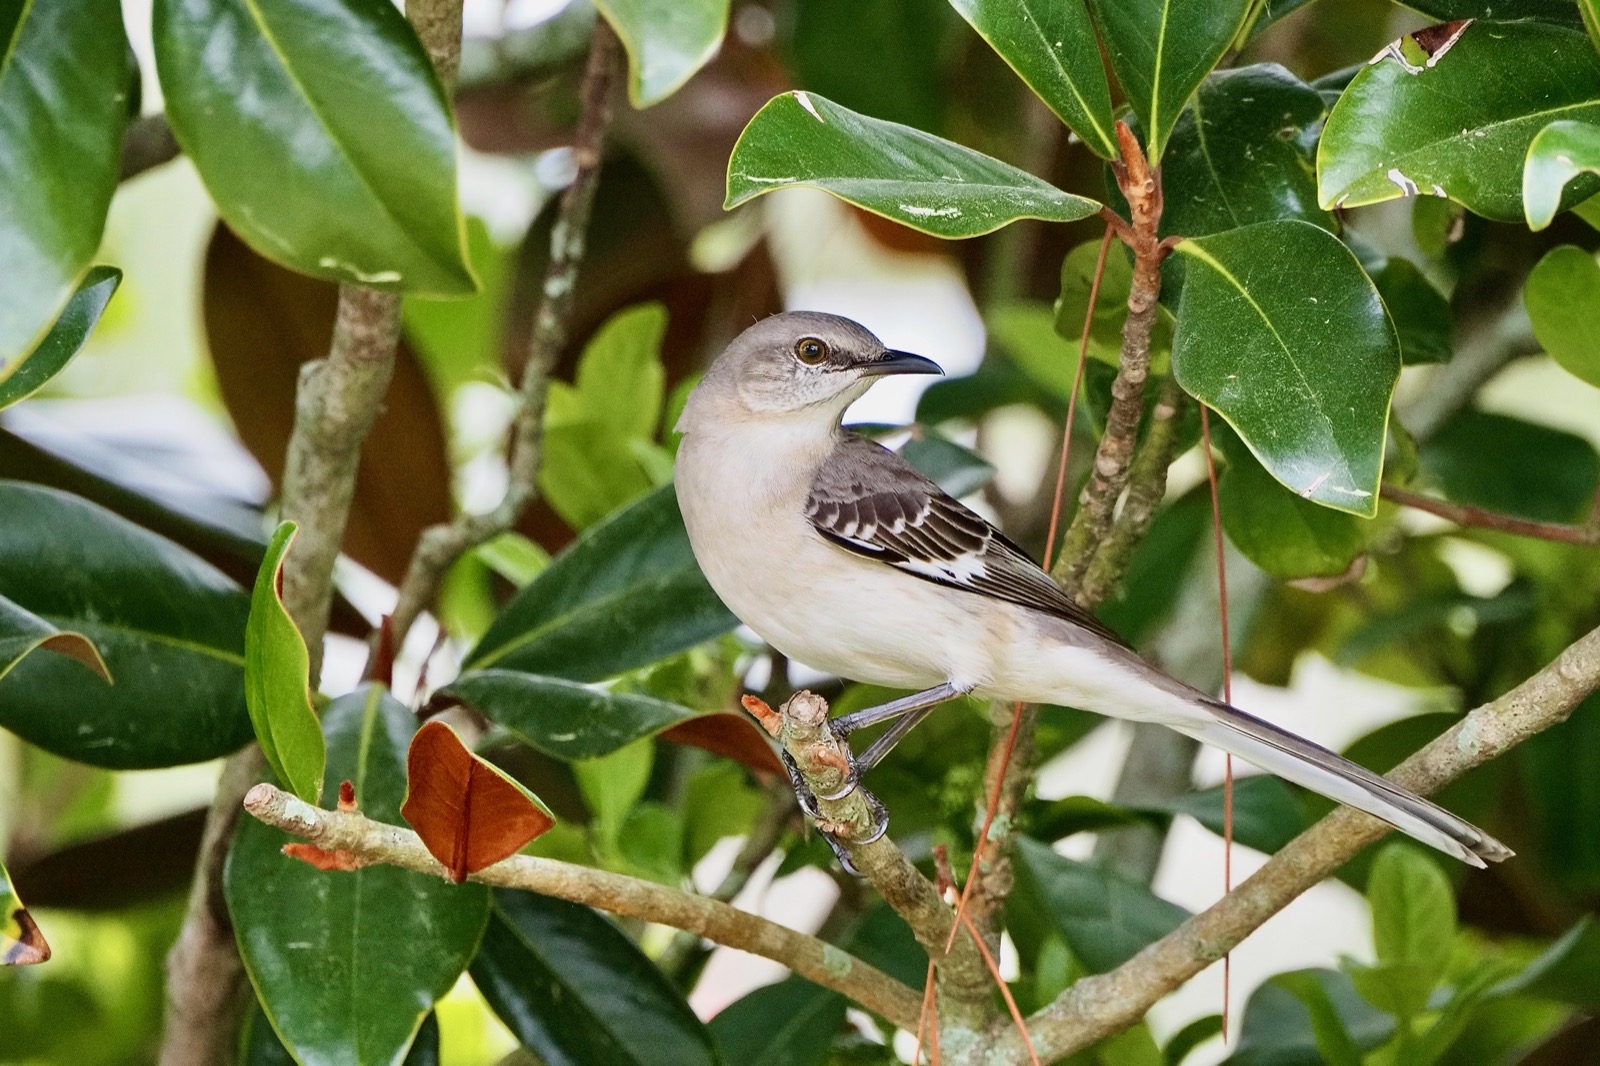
(64, 76)
(1561, 12)
(1052, 47)
(885, 59)
(1505, 464)
(997, 383)
(277, 687)
(916, 179)
(169, 626)
(1420, 312)
(1568, 971)
(625, 594)
(263, 1048)
(1190, 1037)
(953, 468)
(348, 964)
(22, 631)
(1301, 363)
(1557, 154)
(791, 1023)
(576, 991)
(1296, 1019)
(1589, 13)
(1563, 798)
(1161, 50)
(667, 41)
(1061, 818)
(1454, 115)
(563, 718)
(1563, 299)
(1103, 917)
(1402, 989)
(1266, 812)
(323, 135)
(21, 378)
(1287, 536)
(1242, 152)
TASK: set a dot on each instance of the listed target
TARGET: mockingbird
(842, 556)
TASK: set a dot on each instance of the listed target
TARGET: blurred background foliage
(177, 415)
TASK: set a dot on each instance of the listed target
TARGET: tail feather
(1299, 760)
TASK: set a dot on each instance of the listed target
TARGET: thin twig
(1477, 518)
(1099, 1006)
(338, 399)
(441, 545)
(375, 842)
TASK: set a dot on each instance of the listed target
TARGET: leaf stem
(1478, 518)
(441, 545)
(375, 842)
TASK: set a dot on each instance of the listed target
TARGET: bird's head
(801, 362)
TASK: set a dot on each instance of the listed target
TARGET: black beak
(893, 362)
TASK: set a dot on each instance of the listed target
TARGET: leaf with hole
(322, 134)
(626, 593)
(1052, 47)
(169, 627)
(468, 812)
(1556, 155)
(1562, 295)
(1301, 363)
(1161, 50)
(21, 378)
(21, 942)
(666, 40)
(575, 990)
(1451, 110)
(918, 180)
(277, 685)
(64, 75)
(348, 965)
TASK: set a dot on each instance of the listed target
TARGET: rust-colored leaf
(262, 322)
(21, 943)
(730, 735)
(467, 811)
(323, 859)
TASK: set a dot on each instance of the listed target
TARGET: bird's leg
(846, 724)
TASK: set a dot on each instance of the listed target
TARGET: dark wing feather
(868, 500)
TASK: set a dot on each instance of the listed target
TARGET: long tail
(1297, 759)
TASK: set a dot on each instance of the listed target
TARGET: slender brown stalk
(1478, 518)
(376, 842)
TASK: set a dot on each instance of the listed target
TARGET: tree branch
(1476, 517)
(338, 399)
(966, 998)
(1099, 1006)
(375, 842)
(441, 545)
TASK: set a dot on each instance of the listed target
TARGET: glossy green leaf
(1190, 1037)
(1051, 45)
(1242, 152)
(791, 1023)
(1161, 50)
(1589, 13)
(348, 964)
(1562, 295)
(1515, 467)
(263, 1048)
(277, 687)
(21, 943)
(323, 135)
(169, 626)
(1110, 312)
(1301, 363)
(1297, 1019)
(625, 594)
(1454, 115)
(1285, 535)
(1563, 798)
(21, 378)
(885, 59)
(1420, 312)
(1568, 971)
(1413, 909)
(563, 718)
(916, 179)
(1103, 917)
(1266, 812)
(64, 75)
(22, 631)
(1560, 12)
(1557, 154)
(576, 991)
(666, 40)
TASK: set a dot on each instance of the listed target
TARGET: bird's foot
(836, 834)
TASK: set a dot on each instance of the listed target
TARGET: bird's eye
(810, 350)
